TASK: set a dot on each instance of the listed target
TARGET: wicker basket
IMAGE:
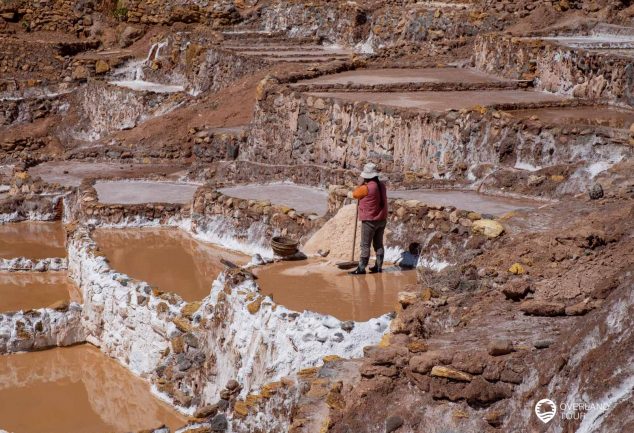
(283, 246)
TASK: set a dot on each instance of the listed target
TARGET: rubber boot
(378, 265)
(363, 262)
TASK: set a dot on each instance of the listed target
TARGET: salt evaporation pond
(144, 191)
(319, 286)
(30, 290)
(33, 240)
(301, 198)
(165, 258)
(610, 117)
(369, 77)
(76, 390)
(470, 200)
(440, 101)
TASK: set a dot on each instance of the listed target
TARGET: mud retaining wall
(556, 68)
(466, 145)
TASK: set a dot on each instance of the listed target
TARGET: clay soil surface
(470, 200)
(28, 290)
(142, 191)
(76, 390)
(317, 285)
(405, 75)
(33, 240)
(165, 258)
(439, 101)
(300, 198)
(71, 173)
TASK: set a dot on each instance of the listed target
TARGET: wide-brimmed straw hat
(369, 171)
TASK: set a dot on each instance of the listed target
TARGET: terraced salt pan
(587, 116)
(72, 173)
(142, 191)
(76, 390)
(405, 75)
(166, 258)
(147, 86)
(317, 285)
(469, 200)
(301, 198)
(31, 290)
(33, 240)
(440, 101)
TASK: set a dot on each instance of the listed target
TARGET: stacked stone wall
(214, 14)
(555, 68)
(455, 145)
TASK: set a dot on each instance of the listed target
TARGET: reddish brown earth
(501, 328)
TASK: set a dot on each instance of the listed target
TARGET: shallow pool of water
(76, 390)
(30, 290)
(33, 240)
(319, 286)
(165, 258)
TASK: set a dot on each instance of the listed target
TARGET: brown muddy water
(30, 290)
(33, 240)
(76, 390)
(587, 116)
(165, 258)
(317, 285)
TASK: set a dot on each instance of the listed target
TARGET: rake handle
(354, 237)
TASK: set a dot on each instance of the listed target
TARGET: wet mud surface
(33, 240)
(29, 290)
(165, 258)
(321, 287)
(76, 390)
(300, 198)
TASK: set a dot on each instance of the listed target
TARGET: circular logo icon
(545, 409)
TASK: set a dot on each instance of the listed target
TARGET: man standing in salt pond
(372, 196)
